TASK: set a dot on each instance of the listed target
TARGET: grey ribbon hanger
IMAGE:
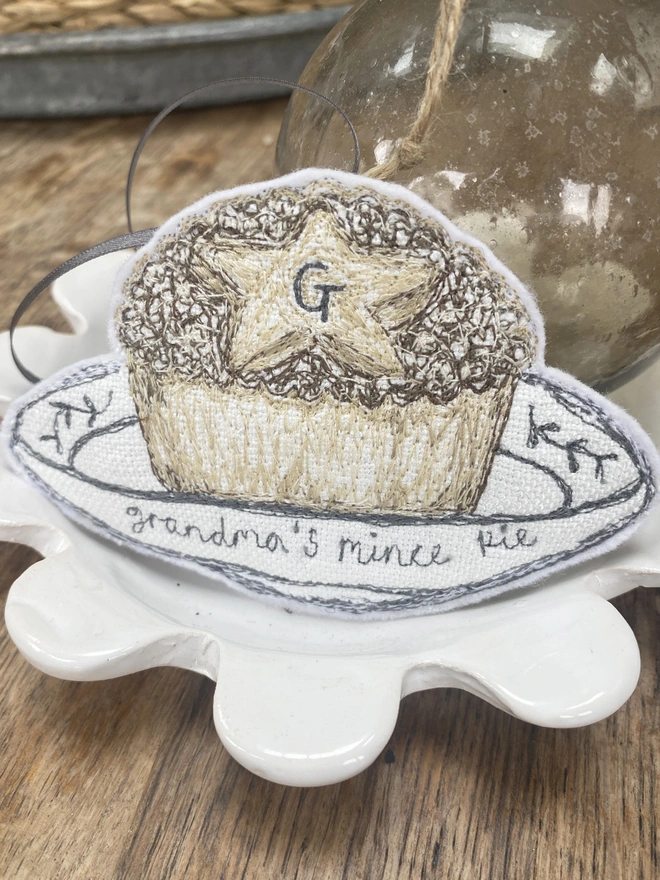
(133, 239)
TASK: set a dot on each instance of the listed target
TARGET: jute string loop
(410, 149)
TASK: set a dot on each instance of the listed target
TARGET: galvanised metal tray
(143, 69)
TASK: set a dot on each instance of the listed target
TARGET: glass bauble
(546, 146)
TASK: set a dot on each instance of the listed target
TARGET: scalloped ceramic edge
(305, 700)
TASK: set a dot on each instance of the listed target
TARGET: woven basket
(30, 16)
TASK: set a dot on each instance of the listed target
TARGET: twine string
(411, 149)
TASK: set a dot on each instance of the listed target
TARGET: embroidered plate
(326, 393)
(588, 483)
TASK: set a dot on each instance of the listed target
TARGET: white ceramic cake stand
(306, 700)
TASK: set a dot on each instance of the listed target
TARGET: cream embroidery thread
(333, 334)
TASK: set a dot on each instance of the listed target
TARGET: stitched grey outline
(258, 582)
(569, 401)
(415, 597)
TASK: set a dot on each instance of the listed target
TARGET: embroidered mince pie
(327, 347)
(324, 393)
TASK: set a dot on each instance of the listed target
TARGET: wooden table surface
(127, 779)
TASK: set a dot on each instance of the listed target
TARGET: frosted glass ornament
(546, 146)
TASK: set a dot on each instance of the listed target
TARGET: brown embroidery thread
(383, 385)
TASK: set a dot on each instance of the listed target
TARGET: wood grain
(126, 780)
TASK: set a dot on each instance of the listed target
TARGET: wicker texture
(30, 16)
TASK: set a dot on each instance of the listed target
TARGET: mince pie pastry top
(324, 291)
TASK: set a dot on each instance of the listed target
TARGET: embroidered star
(316, 291)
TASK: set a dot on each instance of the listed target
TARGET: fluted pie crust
(238, 443)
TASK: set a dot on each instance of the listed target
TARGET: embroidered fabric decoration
(325, 393)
